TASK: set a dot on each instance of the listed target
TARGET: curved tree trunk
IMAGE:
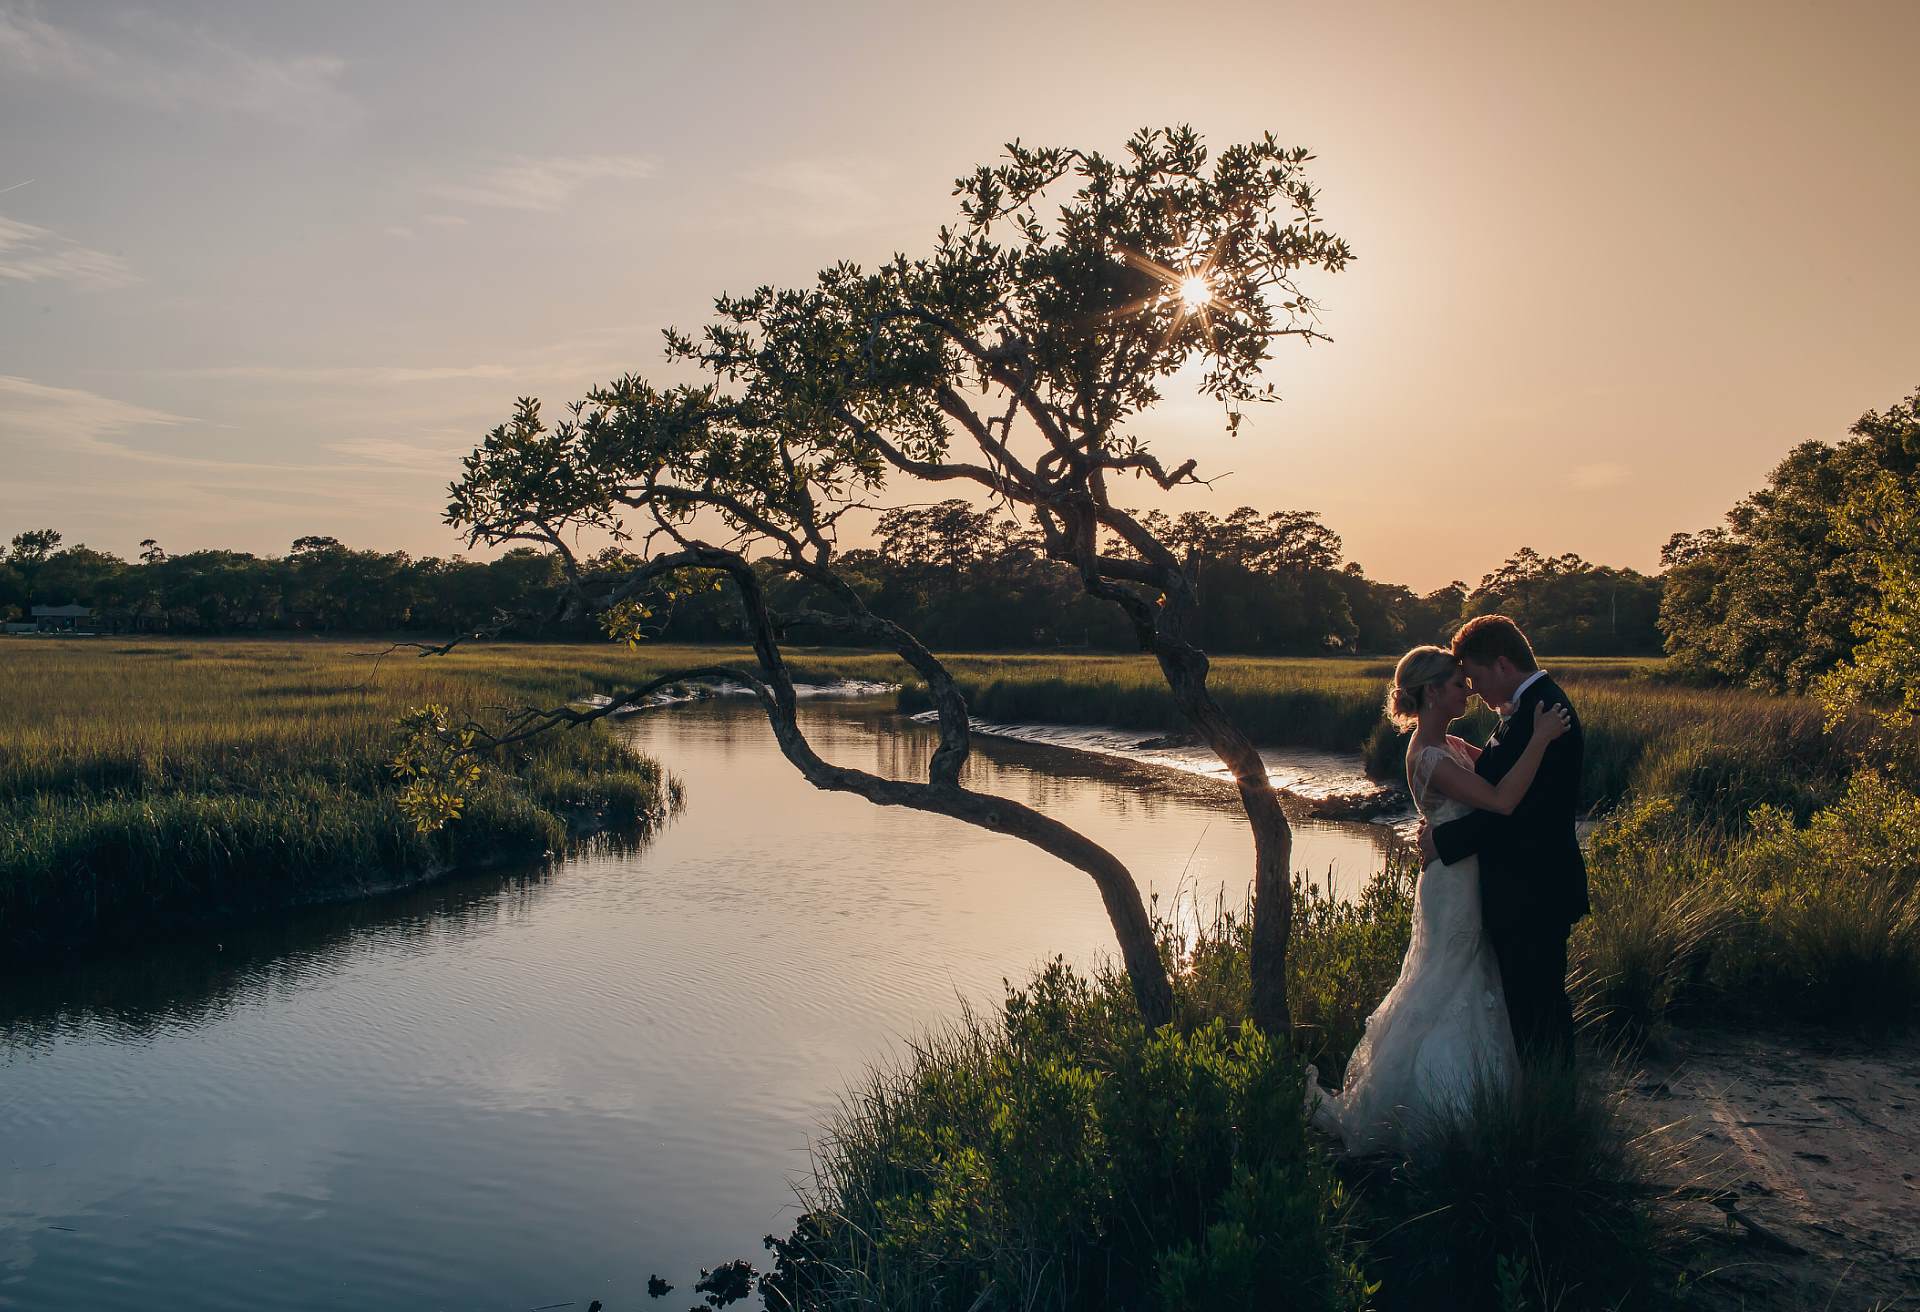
(1185, 669)
(1160, 628)
(942, 794)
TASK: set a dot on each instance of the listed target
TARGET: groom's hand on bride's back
(1428, 852)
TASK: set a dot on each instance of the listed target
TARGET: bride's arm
(1463, 785)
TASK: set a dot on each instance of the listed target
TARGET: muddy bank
(1801, 1151)
(680, 694)
(1324, 785)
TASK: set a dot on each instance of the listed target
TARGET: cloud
(31, 254)
(444, 220)
(400, 230)
(524, 183)
(165, 64)
(438, 457)
(1594, 477)
(72, 418)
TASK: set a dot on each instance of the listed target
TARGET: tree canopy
(1013, 358)
(1777, 597)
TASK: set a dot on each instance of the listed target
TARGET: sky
(269, 270)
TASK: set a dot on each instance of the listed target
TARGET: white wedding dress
(1443, 1026)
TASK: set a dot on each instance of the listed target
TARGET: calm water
(508, 1092)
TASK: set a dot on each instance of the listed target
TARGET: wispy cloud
(33, 254)
(72, 418)
(435, 456)
(48, 422)
(525, 183)
(162, 63)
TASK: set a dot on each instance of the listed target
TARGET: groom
(1533, 879)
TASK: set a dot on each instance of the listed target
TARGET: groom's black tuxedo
(1533, 878)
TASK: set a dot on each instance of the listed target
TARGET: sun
(1195, 292)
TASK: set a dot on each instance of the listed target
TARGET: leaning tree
(1019, 359)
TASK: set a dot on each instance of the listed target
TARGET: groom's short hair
(1485, 638)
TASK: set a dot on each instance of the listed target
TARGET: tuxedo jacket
(1532, 874)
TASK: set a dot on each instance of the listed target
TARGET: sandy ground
(1812, 1144)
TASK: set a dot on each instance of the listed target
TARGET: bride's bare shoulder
(1461, 744)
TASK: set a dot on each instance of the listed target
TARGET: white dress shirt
(1525, 683)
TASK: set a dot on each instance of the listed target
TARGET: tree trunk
(1185, 668)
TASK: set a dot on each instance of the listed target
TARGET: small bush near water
(1060, 1157)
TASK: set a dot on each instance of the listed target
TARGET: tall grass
(143, 782)
(1816, 922)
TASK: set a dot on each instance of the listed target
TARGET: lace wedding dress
(1443, 1026)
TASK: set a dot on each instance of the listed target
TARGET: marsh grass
(143, 782)
(1817, 921)
(1721, 752)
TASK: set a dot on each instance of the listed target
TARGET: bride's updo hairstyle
(1418, 671)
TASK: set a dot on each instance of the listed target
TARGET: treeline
(320, 586)
(959, 576)
(1808, 569)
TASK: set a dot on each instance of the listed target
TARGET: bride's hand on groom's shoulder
(1550, 722)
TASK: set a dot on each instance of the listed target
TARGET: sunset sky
(271, 269)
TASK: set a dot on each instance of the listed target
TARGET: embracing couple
(1484, 981)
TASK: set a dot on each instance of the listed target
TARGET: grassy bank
(1053, 1155)
(150, 782)
(1723, 751)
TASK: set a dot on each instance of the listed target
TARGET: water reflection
(516, 1090)
(198, 978)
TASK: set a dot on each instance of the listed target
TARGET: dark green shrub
(1062, 1157)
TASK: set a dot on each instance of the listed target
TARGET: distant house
(63, 619)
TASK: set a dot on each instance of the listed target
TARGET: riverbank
(146, 786)
(1722, 751)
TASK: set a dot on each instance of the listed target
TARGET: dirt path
(1816, 1143)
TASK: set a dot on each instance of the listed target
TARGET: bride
(1443, 1026)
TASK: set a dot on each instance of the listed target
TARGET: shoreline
(28, 951)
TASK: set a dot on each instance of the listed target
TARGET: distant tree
(1570, 607)
(29, 551)
(1013, 359)
(13, 592)
(1268, 583)
(1774, 599)
(150, 552)
(76, 576)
